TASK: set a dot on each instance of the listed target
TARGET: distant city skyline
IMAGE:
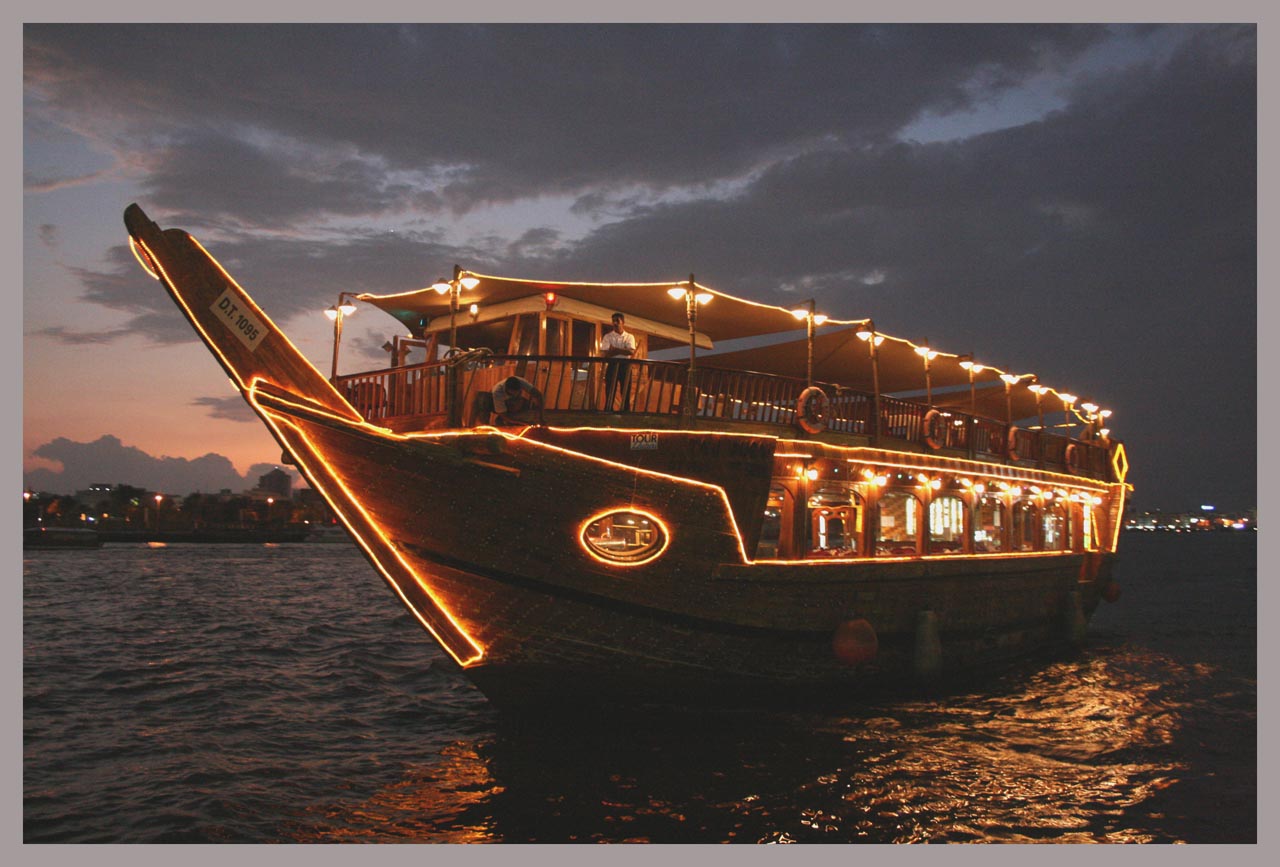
(1076, 201)
(109, 461)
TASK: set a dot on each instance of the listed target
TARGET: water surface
(226, 693)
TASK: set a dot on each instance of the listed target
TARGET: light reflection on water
(250, 694)
(1026, 762)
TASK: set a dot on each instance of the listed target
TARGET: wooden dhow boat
(813, 517)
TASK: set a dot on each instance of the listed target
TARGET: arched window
(1023, 531)
(989, 525)
(899, 524)
(1057, 528)
(835, 521)
(946, 524)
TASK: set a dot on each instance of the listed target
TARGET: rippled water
(278, 694)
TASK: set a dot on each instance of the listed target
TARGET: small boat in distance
(60, 537)
(328, 534)
(812, 518)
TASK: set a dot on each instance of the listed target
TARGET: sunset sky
(1075, 201)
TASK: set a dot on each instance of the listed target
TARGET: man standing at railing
(618, 346)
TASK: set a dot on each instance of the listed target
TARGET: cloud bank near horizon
(109, 461)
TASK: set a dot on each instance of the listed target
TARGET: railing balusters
(656, 387)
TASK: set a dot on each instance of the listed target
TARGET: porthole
(626, 537)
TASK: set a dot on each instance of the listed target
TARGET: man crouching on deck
(514, 395)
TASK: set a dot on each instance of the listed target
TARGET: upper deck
(881, 392)
(443, 394)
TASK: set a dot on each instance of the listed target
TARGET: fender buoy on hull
(855, 642)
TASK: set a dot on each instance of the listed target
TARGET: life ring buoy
(1011, 446)
(812, 410)
(932, 438)
(1071, 457)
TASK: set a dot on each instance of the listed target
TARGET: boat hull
(482, 536)
(494, 538)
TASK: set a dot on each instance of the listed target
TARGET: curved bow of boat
(288, 393)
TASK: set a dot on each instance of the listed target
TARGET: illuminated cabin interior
(907, 514)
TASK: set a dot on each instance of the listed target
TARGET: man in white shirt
(618, 346)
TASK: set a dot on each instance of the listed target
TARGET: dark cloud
(211, 173)
(1110, 248)
(108, 461)
(228, 408)
(286, 275)
(500, 112)
(72, 337)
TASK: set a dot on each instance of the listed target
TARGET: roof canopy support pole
(691, 314)
(928, 355)
(1038, 390)
(867, 332)
(692, 298)
(809, 359)
(1009, 380)
(455, 289)
(337, 313)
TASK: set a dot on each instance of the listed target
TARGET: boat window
(899, 524)
(1057, 529)
(946, 525)
(584, 338)
(835, 521)
(557, 336)
(526, 336)
(1023, 531)
(988, 526)
(625, 537)
(771, 527)
(494, 335)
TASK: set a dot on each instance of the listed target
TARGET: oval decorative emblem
(624, 537)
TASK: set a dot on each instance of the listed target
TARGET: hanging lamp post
(811, 319)
(692, 298)
(337, 313)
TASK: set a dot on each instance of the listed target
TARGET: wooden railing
(419, 395)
